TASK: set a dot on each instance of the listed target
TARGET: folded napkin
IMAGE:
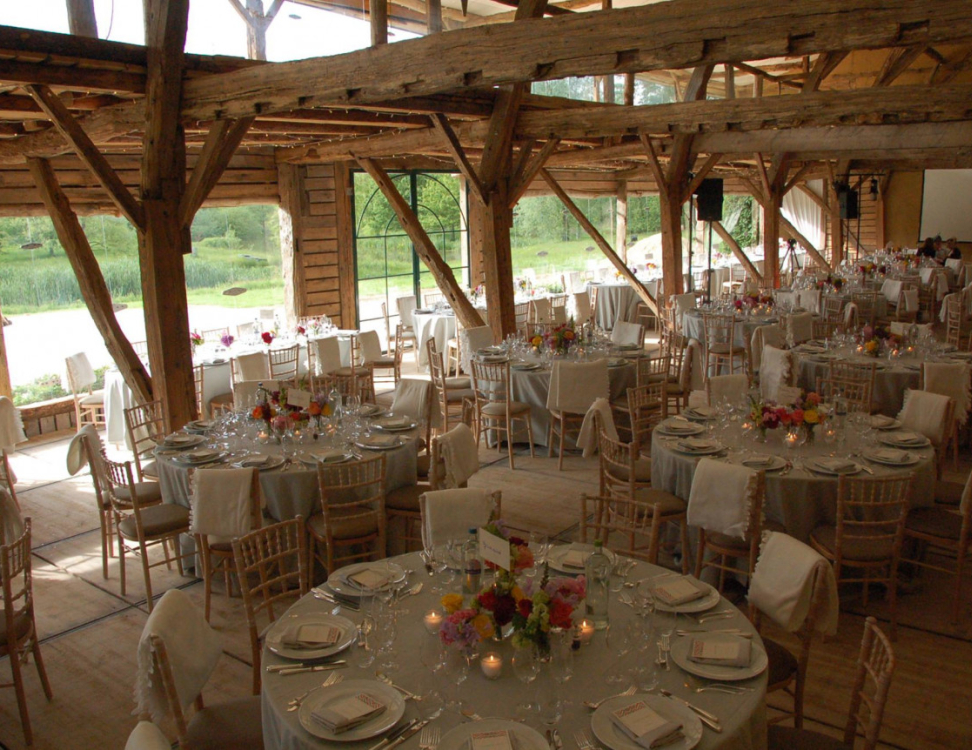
(759, 462)
(395, 422)
(734, 652)
(179, 439)
(674, 591)
(379, 441)
(254, 460)
(576, 557)
(331, 455)
(889, 455)
(703, 412)
(880, 421)
(201, 454)
(680, 424)
(348, 713)
(695, 444)
(905, 437)
(645, 726)
(498, 739)
(370, 579)
(310, 635)
(836, 464)
(202, 424)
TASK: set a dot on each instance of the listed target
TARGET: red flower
(504, 610)
(526, 607)
(560, 614)
(487, 600)
(301, 330)
(267, 337)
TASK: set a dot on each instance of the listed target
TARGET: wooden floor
(90, 631)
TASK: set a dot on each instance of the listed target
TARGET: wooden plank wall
(251, 177)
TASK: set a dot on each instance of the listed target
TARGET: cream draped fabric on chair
(582, 306)
(952, 380)
(574, 386)
(762, 337)
(89, 404)
(11, 521)
(627, 334)
(406, 307)
(587, 438)
(11, 433)
(245, 391)
(472, 340)
(147, 736)
(683, 303)
(927, 413)
(776, 372)
(253, 366)
(540, 311)
(799, 328)
(449, 514)
(459, 453)
(729, 388)
(850, 316)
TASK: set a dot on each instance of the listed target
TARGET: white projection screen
(946, 204)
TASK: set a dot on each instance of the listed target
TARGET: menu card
(645, 726)
(494, 549)
(733, 652)
(297, 398)
(677, 590)
(495, 740)
(310, 635)
(347, 713)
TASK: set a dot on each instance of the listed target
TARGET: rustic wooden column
(498, 264)
(257, 22)
(81, 18)
(433, 16)
(165, 239)
(621, 221)
(771, 238)
(379, 22)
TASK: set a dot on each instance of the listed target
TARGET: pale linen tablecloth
(616, 302)
(440, 326)
(693, 327)
(800, 499)
(743, 717)
(890, 381)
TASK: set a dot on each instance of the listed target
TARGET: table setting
(802, 461)
(467, 653)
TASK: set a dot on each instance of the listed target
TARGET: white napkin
(347, 713)
(460, 454)
(309, 635)
(696, 444)
(726, 652)
(703, 412)
(645, 726)
(720, 497)
(587, 439)
(836, 464)
(774, 372)
(255, 460)
(890, 455)
(880, 421)
(576, 556)
(498, 739)
(674, 591)
(379, 441)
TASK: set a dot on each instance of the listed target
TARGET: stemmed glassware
(456, 669)
(562, 661)
(526, 667)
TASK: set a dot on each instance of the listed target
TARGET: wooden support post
(81, 18)
(738, 252)
(602, 243)
(525, 178)
(165, 239)
(629, 89)
(621, 221)
(444, 278)
(498, 264)
(433, 17)
(771, 238)
(291, 230)
(379, 22)
(455, 148)
(94, 290)
(257, 22)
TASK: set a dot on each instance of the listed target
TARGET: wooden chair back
(653, 369)
(602, 516)
(491, 383)
(866, 303)
(953, 322)
(198, 379)
(871, 510)
(647, 407)
(521, 312)
(283, 363)
(719, 330)
(432, 298)
(875, 667)
(352, 491)
(854, 381)
(146, 429)
(833, 307)
(271, 565)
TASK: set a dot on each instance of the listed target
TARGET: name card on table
(297, 398)
(494, 549)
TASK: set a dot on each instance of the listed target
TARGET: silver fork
(584, 740)
(597, 704)
(666, 646)
(429, 739)
(332, 679)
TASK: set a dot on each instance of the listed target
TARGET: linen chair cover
(416, 399)
(80, 373)
(253, 366)
(541, 311)
(721, 496)
(762, 337)
(952, 380)
(891, 288)
(909, 301)
(406, 307)
(776, 372)
(575, 385)
(683, 303)
(558, 314)
(799, 328)
(472, 340)
(582, 306)
(221, 507)
(955, 264)
(11, 425)
(731, 388)
(850, 316)
(370, 346)
(809, 300)
(327, 355)
(449, 514)
(925, 412)
(692, 375)
(244, 392)
(460, 455)
(11, 521)
(193, 649)
(147, 736)
(625, 333)
(587, 439)
(785, 580)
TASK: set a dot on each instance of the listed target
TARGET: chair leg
(121, 562)
(105, 536)
(509, 441)
(957, 596)
(550, 437)
(893, 599)
(16, 669)
(563, 430)
(148, 576)
(699, 554)
(529, 424)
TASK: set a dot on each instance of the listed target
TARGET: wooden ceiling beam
(462, 161)
(530, 170)
(651, 37)
(896, 63)
(823, 66)
(221, 143)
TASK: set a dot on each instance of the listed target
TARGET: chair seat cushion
(232, 724)
(939, 522)
(157, 520)
(147, 493)
(422, 464)
(642, 471)
(782, 664)
(788, 738)
(456, 383)
(669, 503)
(93, 399)
(499, 409)
(456, 396)
(346, 523)
(864, 550)
(22, 624)
(725, 349)
(383, 362)
(948, 493)
(406, 498)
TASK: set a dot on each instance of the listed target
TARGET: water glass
(526, 667)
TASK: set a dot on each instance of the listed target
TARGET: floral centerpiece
(319, 406)
(866, 269)
(804, 412)
(544, 606)
(195, 340)
(874, 338)
(272, 407)
(226, 340)
(463, 628)
(267, 337)
(301, 331)
(560, 338)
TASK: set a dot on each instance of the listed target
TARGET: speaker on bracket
(848, 200)
(709, 200)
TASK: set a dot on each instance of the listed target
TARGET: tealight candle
(792, 438)
(492, 665)
(586, 628)
(263, 435)
(433, 620)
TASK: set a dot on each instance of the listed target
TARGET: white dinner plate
(617, 362)
(525, 738)
(199, 456)
(628, 347)
(885, 423)
(334, 456)
(709, 448)
(181, 441)
(394, 709)
(253, 462)
(348, 633)
(493, 358)
(906, 439)
(610, 735)
(370, 410)
(340, 581)
(702, 604)
(764, 463)
(702, 412)
(556, 555)
(526, 366)
(380, 443)
(757, 661)
(394, 424)
(200, 425)
(679, 428)
(887, 457)
(814, 465)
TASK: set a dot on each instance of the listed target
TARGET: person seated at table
(927, 249)
(954, 251)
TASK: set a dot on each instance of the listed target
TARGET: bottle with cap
(598, 570)
(472, 564)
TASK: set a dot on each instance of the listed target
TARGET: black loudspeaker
(848, 204)
(709, 200)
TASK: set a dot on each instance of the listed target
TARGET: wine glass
(456, 670)
(539, 546)
(433, 658)
(526, 667)
(365, 651)
(562, 659)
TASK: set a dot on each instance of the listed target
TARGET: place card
(724, 652)
(677, 590)
(369, 579)
(348, 713)
(647, 727)
(311, 635)
(494, 549)
(301, 399)
(496, 740)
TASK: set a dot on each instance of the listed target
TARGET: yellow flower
(452, 603)
(871, 345)
(517, 594)
(811, 416)
(536, 340)
(483, 625)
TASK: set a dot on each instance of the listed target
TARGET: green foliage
(49, 386)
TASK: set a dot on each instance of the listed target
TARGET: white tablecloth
(693, 327)
(890, 381)
(743, 717)
(440, 326)
(799, 499)
(616, 302)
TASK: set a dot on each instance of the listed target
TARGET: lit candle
(492, 665)
(586, 631)
(263, 436)
(432, 620)
(791, 438)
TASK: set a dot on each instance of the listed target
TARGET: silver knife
(285, 667)
(558, 743)
(392, 736)
(414, 729)
(318, 668)
(710, 720)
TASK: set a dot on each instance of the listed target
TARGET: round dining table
(799, 495)
(432, 324)
(742, 716)
(693, 326)
(615, 301)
